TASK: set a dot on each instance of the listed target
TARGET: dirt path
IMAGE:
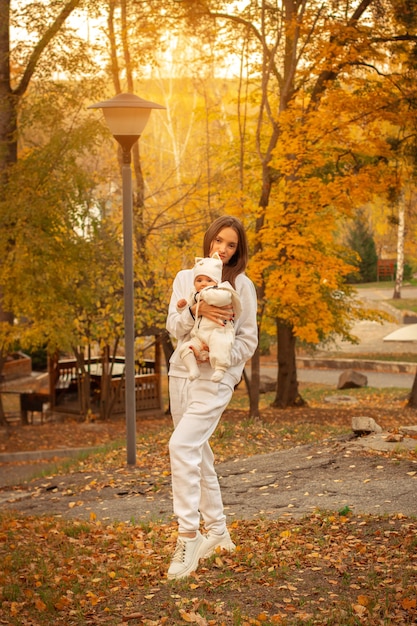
(330, 476)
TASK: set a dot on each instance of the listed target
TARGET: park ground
(330, 567)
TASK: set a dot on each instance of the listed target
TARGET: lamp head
(126, 114)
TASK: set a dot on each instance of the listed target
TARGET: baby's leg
(221, 342)
(191, 364)
(188, 357)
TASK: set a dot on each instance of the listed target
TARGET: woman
(196, 406)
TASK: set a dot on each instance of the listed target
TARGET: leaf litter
(325, 569)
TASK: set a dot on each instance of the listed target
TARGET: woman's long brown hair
(239, 260)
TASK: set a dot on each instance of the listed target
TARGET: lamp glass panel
(126, 120)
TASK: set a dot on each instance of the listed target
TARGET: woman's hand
(218, 314)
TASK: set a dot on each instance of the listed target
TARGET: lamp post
(126, 116)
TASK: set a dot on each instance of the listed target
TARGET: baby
(207, 333)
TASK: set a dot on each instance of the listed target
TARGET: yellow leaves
(40, 605)
(92, 598)
(192, 618)
(218, 562)
(359, 609)
(73, 504)
(62, 603)
(363, 600)
(262, 617)
(83, 567)
(318, 186)
(14, 609)
(409, 604)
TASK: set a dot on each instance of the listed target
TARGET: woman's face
(225, 244)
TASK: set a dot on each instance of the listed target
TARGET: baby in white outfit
(207, 333)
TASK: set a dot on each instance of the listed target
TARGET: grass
(379, 356)
(74, 463)
(385, 284)
(315, 395)
(404, 304)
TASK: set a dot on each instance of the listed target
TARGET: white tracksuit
(196, 408)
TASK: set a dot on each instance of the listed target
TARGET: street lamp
(126, 116)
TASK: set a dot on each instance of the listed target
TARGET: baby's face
(200, 282)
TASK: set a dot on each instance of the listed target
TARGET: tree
(403, 192)
(61, 273)
(18, 66)
(360, 239)
(312, 63)
(45, 25)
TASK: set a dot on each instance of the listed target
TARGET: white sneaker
(187, 555)
(223, 542)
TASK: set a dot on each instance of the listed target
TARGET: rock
(362, 425)
(340, 399)
(410, 431)
(409, 318)
(394, 438)
(349, 379)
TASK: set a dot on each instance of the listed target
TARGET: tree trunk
(5, 316)
(3, 421)
(412, 398)
(287, 394)
(253, 387)
(400, 248)
(9, 102)
(107, 393)
(84, 383)
(168, 350)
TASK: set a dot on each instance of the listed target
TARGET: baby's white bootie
(217, 376)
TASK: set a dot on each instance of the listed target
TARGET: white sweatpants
(196, 408)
